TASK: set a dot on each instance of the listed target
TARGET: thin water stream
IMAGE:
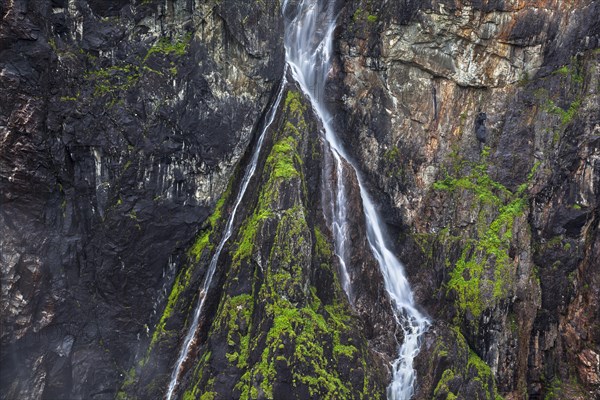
(191, 334)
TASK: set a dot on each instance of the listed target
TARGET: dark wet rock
(118, 136)
(480, 129)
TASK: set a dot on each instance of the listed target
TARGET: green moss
(152, 70)
(554, 241)
(209, 396)
(483, 375)
(372, 18)
(183, 279)
(481, 275)
(248, 235)
(393, 163)
(181, 283)
(282, 158)
(304, 330)
(566, 116)
(553, 391)
(474, 374)
(52, 43)
(429, 242)
(130, 378)
(295, 105)
(571, 71)
(564, 70)
(300, 337)
(166, 46)
(392, 154)
(203, 239)
(322, 247)
(442, 386)
(113, 79)
(193, 392)
(482, 370)
(235, 313)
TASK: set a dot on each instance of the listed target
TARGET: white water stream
(308, 42)
(191, 334)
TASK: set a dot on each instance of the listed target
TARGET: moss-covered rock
(451, 369)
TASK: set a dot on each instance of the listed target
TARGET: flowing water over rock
(191, 335)
(308, 41)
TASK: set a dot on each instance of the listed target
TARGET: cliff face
(476, 125)
(122, 124)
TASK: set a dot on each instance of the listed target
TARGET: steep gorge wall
(476, 125)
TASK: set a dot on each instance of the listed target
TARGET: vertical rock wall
(121, 123)
(477, 126)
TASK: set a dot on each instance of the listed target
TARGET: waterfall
(308, 44)
(250, 169)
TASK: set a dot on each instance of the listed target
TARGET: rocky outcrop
(277, 323)
(476, 124)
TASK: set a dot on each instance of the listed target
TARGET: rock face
(121, 124)
(476, 125)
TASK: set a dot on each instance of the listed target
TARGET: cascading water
(191, 334)
(308, 42)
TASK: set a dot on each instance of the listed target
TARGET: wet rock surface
(122, 123)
